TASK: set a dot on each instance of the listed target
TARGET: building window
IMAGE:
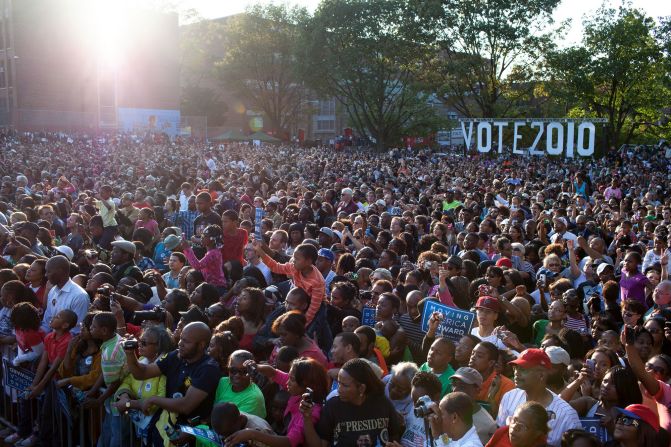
(326, 125)
(327, 107)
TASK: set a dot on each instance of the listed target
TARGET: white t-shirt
(491, 338)
(470, 439)
(536, 295)
(211, 165)
(566, 236)
(414, 435)
(484, 424)
(562, 416)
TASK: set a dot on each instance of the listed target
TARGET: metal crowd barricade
(82, 428)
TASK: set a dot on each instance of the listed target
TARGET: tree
(260, 61)
(616, 73)
(201, 43)
(482, 42)
(368, 54)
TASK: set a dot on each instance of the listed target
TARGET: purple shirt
(633, 287)
(211, 266)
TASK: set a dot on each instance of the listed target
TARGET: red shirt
(41, 296)
(134, 330)
(55, 346)
(27, 339)
(234, 246)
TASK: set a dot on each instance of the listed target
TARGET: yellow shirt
(107, 214)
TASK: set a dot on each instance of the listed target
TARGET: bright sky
(573, 9)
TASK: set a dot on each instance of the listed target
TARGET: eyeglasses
(627, 421)
(628, 314)
(146, 343)
(238, 371)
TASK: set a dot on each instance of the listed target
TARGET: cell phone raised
(309, 393)
(629, 335)
(590, 364)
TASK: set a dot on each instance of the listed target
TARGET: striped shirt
(562, 416)
(414, 333)
(577, 324)
(185, 221)
(112, 359)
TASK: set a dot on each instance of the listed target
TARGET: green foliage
(260, 60)
(197, 100)
(368, 54)
(483, 43)
(201, 44)
(617, 72)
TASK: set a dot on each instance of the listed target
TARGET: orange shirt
(504, 385)
(313, 284)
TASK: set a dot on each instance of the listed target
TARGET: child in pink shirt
(212, 264)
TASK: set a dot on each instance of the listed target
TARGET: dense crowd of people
(279, 296)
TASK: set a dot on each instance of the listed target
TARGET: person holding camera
(452, 421)
(359, 415)
(468, 380)
(306, 376)
(211, 265)
(153, 344)
(239, 388)
(425, 387)
(191, 380)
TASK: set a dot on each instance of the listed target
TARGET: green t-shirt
(444, 377)
(447, 206)
(539, 329)
(250, 400)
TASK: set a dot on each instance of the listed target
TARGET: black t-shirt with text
(374, 423)
(180, 376)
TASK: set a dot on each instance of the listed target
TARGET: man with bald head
(65, 294)
(192, 379)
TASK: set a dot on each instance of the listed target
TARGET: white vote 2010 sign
(558, 137)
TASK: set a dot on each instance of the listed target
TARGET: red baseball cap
(532, 358)
(488, 302)
(641, 413)
(504, 262)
